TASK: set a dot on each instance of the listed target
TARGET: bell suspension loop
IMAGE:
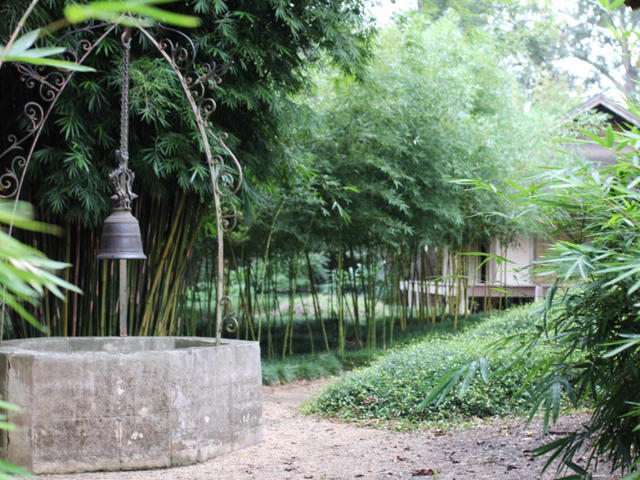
(121, 238)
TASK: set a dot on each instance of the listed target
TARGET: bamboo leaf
(41, 52)
(9, 406)
(443, 387)
(49, 62)
(112, 11)
(11, 469)
(484, 369)
(625, 344)
(6, 426)
(556, 397)
(468, 378)
(633, 476)
(609, 139)
(595, 138)
(615, 4)
(22, 44)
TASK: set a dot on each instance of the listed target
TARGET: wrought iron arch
(195, 86)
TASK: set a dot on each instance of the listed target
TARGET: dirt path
(301, 447)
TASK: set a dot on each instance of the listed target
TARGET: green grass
(394, 387)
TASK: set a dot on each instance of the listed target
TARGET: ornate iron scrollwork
(10, 179)
(229, 320)
(194, 81)
(198, 81)
(48, 86)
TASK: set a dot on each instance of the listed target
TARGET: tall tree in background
(527, 32)
(375, 157)
(606, 41)
(538, 35)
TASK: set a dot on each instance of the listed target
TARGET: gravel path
(302, 447)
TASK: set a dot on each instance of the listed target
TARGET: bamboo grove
(369, 207)
(67, 178)
(352, 148)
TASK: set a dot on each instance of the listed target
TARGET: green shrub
(395, 386)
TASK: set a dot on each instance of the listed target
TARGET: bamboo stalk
(244, 293)
(249, 300)
(317, 312)
(308, 322)
(437, 300)
(354, 298)
(67, 257)
(340, 299)
(371, 340)
(172, 280)
(458, 276)
(103, 300)
(148, 312)
(288, 336)
(266, 257)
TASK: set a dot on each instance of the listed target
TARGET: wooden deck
(416, 290)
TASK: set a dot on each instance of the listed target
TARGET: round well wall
(111, 403)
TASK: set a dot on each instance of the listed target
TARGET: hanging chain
(122, 178)
(124, 102)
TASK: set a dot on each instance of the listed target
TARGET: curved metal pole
(200, 121)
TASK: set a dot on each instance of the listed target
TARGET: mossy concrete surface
(110, 403)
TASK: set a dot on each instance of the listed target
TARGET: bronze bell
(121, 237)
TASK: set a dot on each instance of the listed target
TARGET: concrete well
(110, 403)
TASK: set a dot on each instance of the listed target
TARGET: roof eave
(602, 101)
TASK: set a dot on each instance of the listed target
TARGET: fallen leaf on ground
(423, 472)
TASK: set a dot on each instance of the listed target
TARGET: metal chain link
(124, 102)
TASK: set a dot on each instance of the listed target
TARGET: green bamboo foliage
(156, 284)
(366, 186)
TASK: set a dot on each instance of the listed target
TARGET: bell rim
(121, 256)
(135, 250)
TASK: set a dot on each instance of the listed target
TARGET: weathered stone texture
(109, 403)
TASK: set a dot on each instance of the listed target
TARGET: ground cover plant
(301, 367)
(395, 386)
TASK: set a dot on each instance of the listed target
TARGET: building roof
(603, 104)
